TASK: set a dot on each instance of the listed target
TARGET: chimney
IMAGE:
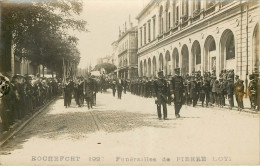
(125, 27)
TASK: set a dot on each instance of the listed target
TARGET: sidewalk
(20, 124)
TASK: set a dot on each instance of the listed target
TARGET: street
(127, 131)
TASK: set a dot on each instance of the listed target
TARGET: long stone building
(198, 35)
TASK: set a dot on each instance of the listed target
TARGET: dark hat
(237, 76)
(28, 77)
(251, 76)
(17, 76)
(160, 74)
(177, 69)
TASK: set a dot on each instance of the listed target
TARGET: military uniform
(89, 86)
(239, 90)
(194, 92)
(119, 87)
(252, 91)
(68, 93)
(204, 92)
(222, 90)
(113, 87)
(177, 89)
(230, 92)
(160, 90)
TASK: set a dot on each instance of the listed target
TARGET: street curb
(20, 125)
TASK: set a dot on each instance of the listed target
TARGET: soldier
(252, 88)
(212, 91)
(222, 90)
(177, 89)
(119, 87)
(239, 90)
(89, 92)
(68, 92)
(205, 87)
(94, 89)
(236, 84)
(160, 90)
(8, 111)
(231, 75)
(194, 90)
(169, 78)
(28, 93)
(80, 93)
(124, 85)
(230, 92)
(113, 85)
(187, 90)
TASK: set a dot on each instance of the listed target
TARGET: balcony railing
(175, 29)
(184, 24)
(225, 2)
(196, 15)
(167, 33)
(160, 37)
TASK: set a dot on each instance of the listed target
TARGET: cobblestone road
(118, 130)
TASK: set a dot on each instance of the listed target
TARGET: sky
(103, 20)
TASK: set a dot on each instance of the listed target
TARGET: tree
(40, 30)
(107, 66)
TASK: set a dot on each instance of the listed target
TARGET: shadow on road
(76, 125)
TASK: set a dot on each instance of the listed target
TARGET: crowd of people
(23, 95)
(83, 89)
(197, 87)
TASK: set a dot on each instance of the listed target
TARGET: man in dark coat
(68, 88)
(119, 87)
(177, 89)
(113, 86)
(194, 90)
(230, 92)
(252, 88)
(160, 90)
(89, 86)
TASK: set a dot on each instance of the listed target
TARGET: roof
(145, 8)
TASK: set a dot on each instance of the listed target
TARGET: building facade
(198, 35)
(115, 56)
(127, 52)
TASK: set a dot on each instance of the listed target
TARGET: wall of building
(184, 41)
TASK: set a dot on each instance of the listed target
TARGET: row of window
(167, 20)
(123, 46)
(123, 61)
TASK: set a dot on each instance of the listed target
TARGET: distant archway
(141, 69)
(185, 59)
(161, 62)
(154, 66)
(196, 56)
(210, 54)
(167, 63)
(149, 67)
(145, 68)
(227, 50)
